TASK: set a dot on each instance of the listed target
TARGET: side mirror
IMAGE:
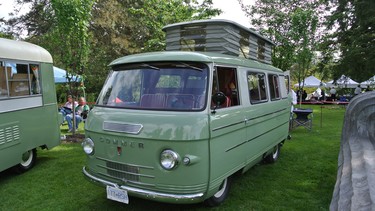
(219, 98)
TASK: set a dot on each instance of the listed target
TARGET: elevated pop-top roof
(221, 36)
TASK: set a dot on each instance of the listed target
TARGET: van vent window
(287, 83)
(257, 87)
(261, 50)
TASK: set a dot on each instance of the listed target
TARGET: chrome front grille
(124, 172)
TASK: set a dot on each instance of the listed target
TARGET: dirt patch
(76, 138)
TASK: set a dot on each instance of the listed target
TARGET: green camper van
(28, 110)
(174, 126)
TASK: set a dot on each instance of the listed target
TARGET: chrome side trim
(264, 115)
(247, 120)
(256, 137)
(141, 192)
(229, 125)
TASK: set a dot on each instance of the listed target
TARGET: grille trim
(143, 167)
(123, 171)
(122, 127)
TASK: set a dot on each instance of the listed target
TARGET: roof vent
(220, 36)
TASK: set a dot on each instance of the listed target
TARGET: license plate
(117, 194)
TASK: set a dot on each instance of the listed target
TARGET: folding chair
(303, 117)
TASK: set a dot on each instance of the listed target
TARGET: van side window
(19, 79)
(256, 83)
(287, 84)
(273, 84)
(226, 82)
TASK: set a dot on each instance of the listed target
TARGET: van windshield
(158, 86)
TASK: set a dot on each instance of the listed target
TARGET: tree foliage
(292, 26)
(116, 28)
(155, 14)
(72, 24)
(354, 24)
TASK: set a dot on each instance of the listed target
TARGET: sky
(6, 6)
(231, 10)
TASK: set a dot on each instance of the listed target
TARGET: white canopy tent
(343, 82)
(311, 81)
(370, 82)
(60, 76)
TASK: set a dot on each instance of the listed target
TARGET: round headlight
(168, 159)
(88, 146)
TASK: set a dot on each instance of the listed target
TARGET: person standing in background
(333, 93)
(358, 90)
(323, 97)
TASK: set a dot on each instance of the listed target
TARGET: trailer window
(19, 79)
(257, 87)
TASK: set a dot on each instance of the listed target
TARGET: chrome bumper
(177, 198)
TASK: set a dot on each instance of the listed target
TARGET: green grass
(64, 129)
(302, 179)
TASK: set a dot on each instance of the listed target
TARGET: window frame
(261, 99)
(10, 81)
(274, 86)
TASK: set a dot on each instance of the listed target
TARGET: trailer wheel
(28, 161)
(220, 196)
(271, 158)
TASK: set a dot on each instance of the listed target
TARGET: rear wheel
(271, 158)
(28, 161)
(220, 196)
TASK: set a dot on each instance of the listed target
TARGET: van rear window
(156, 86)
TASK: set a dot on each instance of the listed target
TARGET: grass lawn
(302, 179)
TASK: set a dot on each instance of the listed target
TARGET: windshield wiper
(192, 67)
(149, 66)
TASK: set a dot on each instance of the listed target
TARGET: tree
(116, 28)
(353, 22)
(155, 14)
(72, 24)
(303, 27)
(123, 27)
(292, 26)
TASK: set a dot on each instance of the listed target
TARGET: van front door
(227, 129)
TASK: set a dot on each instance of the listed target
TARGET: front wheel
(271, 158)
(220, 196)
(28, 161)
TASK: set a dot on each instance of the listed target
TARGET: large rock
(355, 184)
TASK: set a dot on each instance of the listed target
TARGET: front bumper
(146, 194)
